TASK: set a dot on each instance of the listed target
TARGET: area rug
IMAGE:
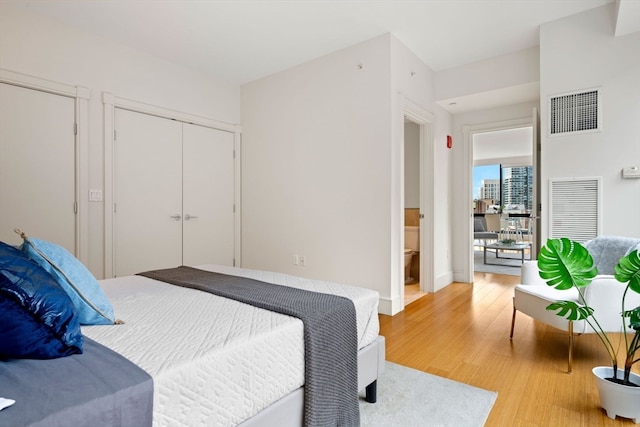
(508, 263)
(412, 398)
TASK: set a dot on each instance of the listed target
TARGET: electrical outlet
(303, 261)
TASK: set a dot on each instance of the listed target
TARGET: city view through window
(499, 189)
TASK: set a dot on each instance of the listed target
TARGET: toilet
(411, 247)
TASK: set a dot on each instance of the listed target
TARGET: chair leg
(570, 346)
(513, 319)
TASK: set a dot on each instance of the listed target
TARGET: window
(499, 188)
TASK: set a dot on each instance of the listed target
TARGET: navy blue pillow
(37, 316)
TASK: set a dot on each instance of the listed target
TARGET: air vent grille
(576, 112)
(575, 208)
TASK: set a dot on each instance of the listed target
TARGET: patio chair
(480, 231)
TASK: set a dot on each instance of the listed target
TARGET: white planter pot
(616, 399)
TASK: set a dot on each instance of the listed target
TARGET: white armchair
(604, 294)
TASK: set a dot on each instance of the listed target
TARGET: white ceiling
(511, 147)
(240, 41)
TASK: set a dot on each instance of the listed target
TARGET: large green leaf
(564, 264)
(628, 270)
(634, 318)
(570, 310)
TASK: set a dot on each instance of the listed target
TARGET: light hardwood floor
(462, 332)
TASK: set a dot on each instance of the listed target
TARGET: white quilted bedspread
(214, 361)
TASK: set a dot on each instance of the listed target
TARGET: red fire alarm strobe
(449, 141)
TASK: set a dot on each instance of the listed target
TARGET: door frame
(110, 103)
(81, 96)
(468, 131)
(426, 121)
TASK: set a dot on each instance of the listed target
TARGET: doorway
(509, 150)
(424, 119)
(180, 210)
(412, 215)
(49, 118)
(206, 149)
(38, 186)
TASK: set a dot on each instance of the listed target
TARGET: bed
(216, 361)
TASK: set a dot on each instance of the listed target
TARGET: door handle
(187, 217)
(177, 217)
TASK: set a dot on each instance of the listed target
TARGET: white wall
(316, 168)
(512, 70)
(580, 52)
(38, 46)
(322, 149)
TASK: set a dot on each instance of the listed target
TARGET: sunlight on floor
(412, 292)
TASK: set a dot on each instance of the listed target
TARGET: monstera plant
(566, 264)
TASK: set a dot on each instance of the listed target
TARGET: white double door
(173, 194)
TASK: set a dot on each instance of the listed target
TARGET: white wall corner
(390, 306)
(627, 17)
(108, 98)
(443, 281)
(83, 92)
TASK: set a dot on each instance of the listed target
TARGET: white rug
(411, 398)
(509, 262)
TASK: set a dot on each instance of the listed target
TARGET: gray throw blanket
(330, 337)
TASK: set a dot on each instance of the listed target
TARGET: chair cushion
(533, 300)
(489, 235)
(549, 293)
(479, 224)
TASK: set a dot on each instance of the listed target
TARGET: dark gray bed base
(288, 411)
(96, 388)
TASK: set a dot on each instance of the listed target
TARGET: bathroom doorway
(423, 138)
(412, 213)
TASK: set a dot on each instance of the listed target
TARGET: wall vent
(575, 208)
(574, 112)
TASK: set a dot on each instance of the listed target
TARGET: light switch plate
(95, 195)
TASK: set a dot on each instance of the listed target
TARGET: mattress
(216, 361)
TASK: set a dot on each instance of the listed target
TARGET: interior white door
(535, 212)
(147, 193)
(37, 166)
(208, 196)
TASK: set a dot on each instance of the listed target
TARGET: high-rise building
(517, 189)
(490, 189)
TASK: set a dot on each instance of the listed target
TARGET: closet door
(37, 166)
(208, 189)
(147, 193)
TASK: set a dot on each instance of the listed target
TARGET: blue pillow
(37, 317)
(91, 303)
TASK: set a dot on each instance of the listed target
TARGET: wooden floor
(412, 292)
(462, 332)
